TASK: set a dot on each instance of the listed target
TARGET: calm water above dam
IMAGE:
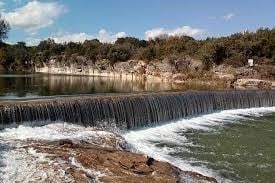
(37, 85)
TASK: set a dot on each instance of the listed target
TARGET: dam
(130, 111)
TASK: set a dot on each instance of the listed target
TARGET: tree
(148, 53)
(119, 53)
(213, 52)
(4, 29)
(3, 55)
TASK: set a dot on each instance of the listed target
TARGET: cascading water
(131, 111)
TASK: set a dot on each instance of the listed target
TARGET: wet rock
(65, 142)
(89, 162)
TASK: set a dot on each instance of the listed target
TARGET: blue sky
(77, 20)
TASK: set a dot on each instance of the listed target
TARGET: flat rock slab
(114, 165)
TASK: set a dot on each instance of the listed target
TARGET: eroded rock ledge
(68, 153)
(87, 162)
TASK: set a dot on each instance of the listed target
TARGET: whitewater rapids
(26, 165)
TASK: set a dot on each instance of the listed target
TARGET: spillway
(130, 111)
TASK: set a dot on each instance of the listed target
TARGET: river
(235, 145)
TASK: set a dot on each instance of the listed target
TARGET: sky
(77, 20)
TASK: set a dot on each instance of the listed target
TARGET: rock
(122, 67)
(131, 66)
(65, 142)
(254, 83)
(150, 161)
(179, 77)
(247, 72)
(103, 65)
(150, 69)
(166, 75)
(165, 67)
(100, 164)
(140, 67)
(225, 76)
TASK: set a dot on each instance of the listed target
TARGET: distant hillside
(233, 50)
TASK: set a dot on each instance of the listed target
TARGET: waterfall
(130, 111)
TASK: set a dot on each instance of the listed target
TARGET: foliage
(232, 50)
(4, 29)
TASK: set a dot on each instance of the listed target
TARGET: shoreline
(216, 79)
(71, 71)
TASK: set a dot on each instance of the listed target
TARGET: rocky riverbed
(69, 153)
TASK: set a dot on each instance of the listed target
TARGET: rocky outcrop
(114, 165)
(254, 83)
(179, 77)
(133, 69)
(179, 71)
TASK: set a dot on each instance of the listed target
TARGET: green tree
(119, 53)
(4, 29)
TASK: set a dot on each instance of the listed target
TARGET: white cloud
(228, 17)
(75, 37)
(107, 37)
(32, 41)
(180, 31)
(103, 36)
(34, 15)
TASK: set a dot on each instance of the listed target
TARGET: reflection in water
(34, 85)
(47, 85)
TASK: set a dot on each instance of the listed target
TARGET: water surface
(233, 145)
(14, 86)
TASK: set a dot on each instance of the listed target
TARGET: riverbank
(70, 153)
(139, 70)
(181, 72)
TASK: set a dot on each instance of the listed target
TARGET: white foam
(19, 164)
(89, 173)
(55, 131)
(147, 140)
(26, 165)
